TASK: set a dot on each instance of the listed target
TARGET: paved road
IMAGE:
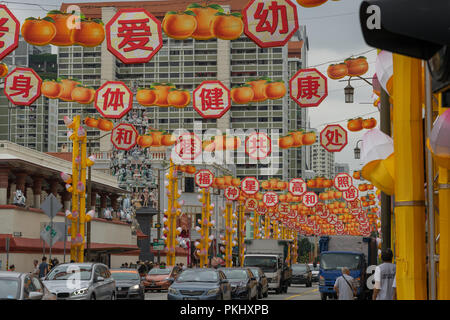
(295, 292)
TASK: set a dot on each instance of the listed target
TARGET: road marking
(301, 294)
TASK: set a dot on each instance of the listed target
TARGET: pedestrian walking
(35, 268)
(43, 268)
(344, 287)
(384, 277)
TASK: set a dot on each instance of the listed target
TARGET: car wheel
(260, 293)
(266, 294)
(278, 290)
(93, 296)
(113, 296)
(249, 298)
(323, 296)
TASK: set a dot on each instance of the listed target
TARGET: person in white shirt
(344, 287)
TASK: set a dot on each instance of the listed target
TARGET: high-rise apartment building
(322, 161)
(28, 125)
(186, 63)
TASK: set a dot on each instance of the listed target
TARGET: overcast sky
(334, 34)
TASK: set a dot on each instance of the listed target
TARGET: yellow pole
(444, 228)
(75, 154)
(267, 226)
(171, 216)
(82, 197)
(409, 180)
(275, 229)
(242, 232)
(295, 255)
(255, 225)
(229, 234)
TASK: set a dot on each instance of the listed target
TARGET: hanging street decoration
(343, 181)
(270, 199)
(310, 199)
(311, 3)
(124, 136)
(258, 146)
(204, 178)
(354, 206)
(351, 194)
(251, 204)
(250, 185)
(100, 123)
(352, 67)
(231, 193)
(69, 90)
(333, 138)
(258, 90)
(9, 32)
(188, 146)
(133, 35)
(270, 23)
(211, 99)
(297, 186)
(261, 210)
(22, 86)
(113, 99)
(163, 95)
(297, 139)
(283, 208)
(308, 87)
(358, 124)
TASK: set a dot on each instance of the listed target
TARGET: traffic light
(413, 28)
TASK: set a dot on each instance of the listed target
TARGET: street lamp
(357, 151)
(349, 93)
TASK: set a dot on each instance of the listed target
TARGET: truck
(271, 256)
(356, 253)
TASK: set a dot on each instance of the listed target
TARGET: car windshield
(68, 271)
(255, 272)
(159, 271)
(9, 289)
(235, 274)
(331, 261)
(124, 275)
(198, 276)
(298, 268)
(267, 264)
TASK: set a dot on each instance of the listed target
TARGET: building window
(189, 184)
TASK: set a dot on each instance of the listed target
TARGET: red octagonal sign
(270, 23)
(211, 99)
(22, 86)
(204, 178)
(308, 87)
(124, 136)
(134, 35)
(9, 32)
(113, 99)
(333, 138)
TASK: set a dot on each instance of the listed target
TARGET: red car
(160, 278)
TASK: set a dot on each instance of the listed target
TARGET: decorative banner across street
(332, 219)
(9, 32)
(343, 181)
(204, 178)
(354, 206)
(270, 23)
(211, 99)
(297, 187)
(124, 136)
(270, 199)
(258, 146)
(283, 208)
(231, 193)
(351, 194)
(308, 87)
(262, 210)
(250, 185)
(22, 86)
(134, 35)
(333, 138)
(113, 99)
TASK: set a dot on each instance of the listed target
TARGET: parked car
(315, 272)
(301, 274)
(243, 283)
(87, 281)
(22, 286)
(200, 284)
(160, 278)
(263, 284)
(128, 284)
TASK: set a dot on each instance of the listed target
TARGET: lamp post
(349, 93)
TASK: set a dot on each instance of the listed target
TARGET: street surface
(295, 292)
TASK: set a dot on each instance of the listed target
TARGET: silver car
(81, 281)
(22, 286)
